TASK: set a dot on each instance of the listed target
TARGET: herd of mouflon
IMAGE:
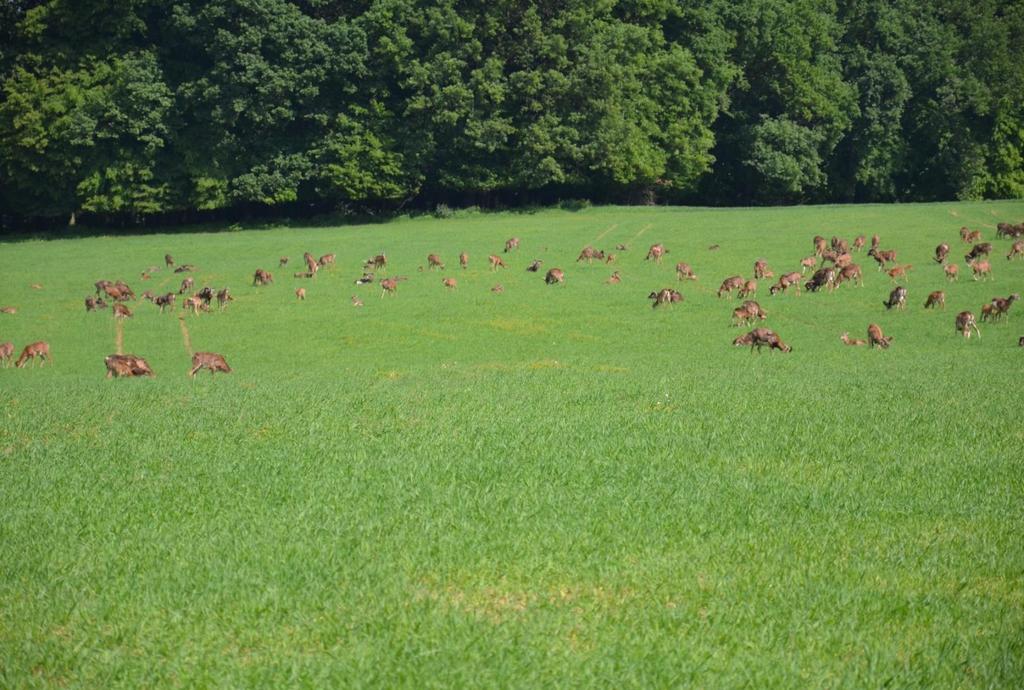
(830, 266)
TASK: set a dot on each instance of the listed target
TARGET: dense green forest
(126, 109)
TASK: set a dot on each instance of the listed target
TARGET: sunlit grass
(549, 486)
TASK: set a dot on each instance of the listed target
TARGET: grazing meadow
(548, 486)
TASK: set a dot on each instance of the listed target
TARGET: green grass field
(554, 486)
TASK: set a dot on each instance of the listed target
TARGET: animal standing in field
(897, 298)
(935, 299)
(434, 261)
(977, 251)
(684, 272)
(388, 285)
(39, 349)
(168, 260)
(206, 294)
(186, 285)
(209, 360)
(223, 297)
(847, 340)
(534, 266)
(511, 243)
(311, 265)
(786, 281)
(883, 257)
(192, 303)
(965, 322)
(496, 262)
(126, 366)
(300, 294)
(899, 272)
(980, 269)
(376, 262)
(102, 285)
(555, 275)
(858, 243)
(262, 277)
(952, 272)
(6, 353)
(449, 283)
(941, 252)
(876, 338)
(121, 311)
(745, 314)
(762, 337)
(1009, 230)
(749, 288)
(840, 246)
(1001, 305)
(610, 258)
(875, 241)
(852, 273)
(761, 270)
(729, 284)
(587, 254)
(970, 236)
(464, 260)
(326, 260)
(164, 301)
(808, 263)
(656, 252)
(1016, 250)
(94, 303)
(823, 277)
(665, 296)
(282, 262)
(820, 245)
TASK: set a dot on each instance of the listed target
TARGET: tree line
(134, 108)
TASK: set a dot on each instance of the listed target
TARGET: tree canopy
(127, 108)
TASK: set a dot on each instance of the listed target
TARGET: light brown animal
(840, 246)
(761, 270)
(882, 257)
(587, 254)
(282, 262)
(356, 302)
(186, 285)
(762, 337)
(952, 272)
(664, 296)
(808, 263)
(326, 260)
(980, 269)
(847, 340)
(464, 260)
(39, 349)
(684, 272)
(970, 236)
(126, 366)
(434, 261)
(388, 286)
(6, 353)
(121, 311)
(511, 243)
(786, 281)
(729, 284)
(935, 299)
(262, 277)
(496, 262)
(498, 289)
(858, 243)
(875, 337)
(9, 310)
(1016, 250)
(965, 322)
(874, 241)
(376, 262)
(843, 260)
(300, 293)
(745, 314)
(749, 288)
(209, 360)
(820, 245)
(656, 252)
(555, 275)
(900, 272)
(93, 303)
(193, 303)
(615, 279)
(223, 297)
(311, 264)
(852, 273)
(450, 283)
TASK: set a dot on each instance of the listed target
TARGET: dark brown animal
(164, 301)
(897, 298)
(729, 284)
(965, 322)
(555, 275)
(262, 277)
(511, 243)
(209, 360)
(126, 366)
(223, 297)
(94, 303)
(184, 268)
(978, 250)
(941, 252)
(970, 236)
(305, 274)
(840, 246)
(434, 261)
(656, 252)
(282, 262)
(1009, 230)
(168, 260)
(823, 277)
(883, 257)
(935, 299)
(875, 337)
(39, 349)
(102, 285)
(6, 353)
(534, 265)
(186, 285)
(1001, 305)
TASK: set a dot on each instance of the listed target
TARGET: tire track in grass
(118, 337)
(642, 231)
(605, 232)
(186, 339)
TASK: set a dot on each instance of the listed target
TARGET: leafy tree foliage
(126, 108)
